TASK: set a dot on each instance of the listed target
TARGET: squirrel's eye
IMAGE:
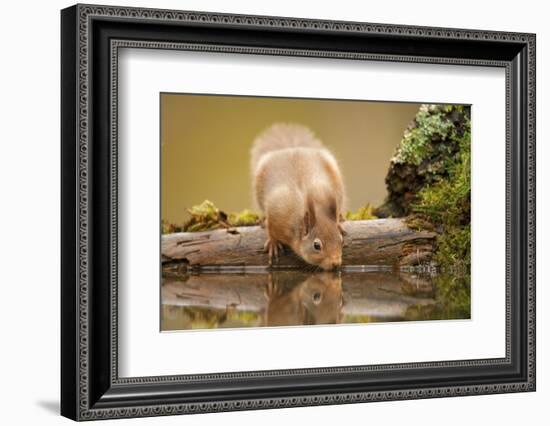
(317, 244)
(316, 297)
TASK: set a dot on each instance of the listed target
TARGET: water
(295, 298)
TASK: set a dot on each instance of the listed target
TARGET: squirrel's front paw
(272, 248)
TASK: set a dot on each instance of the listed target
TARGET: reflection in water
(316, 300)
(287, 298)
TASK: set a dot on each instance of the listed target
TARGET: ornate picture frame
(91, 37)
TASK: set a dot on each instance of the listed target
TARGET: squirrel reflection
(293, 300)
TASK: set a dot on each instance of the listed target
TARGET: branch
(370, 242)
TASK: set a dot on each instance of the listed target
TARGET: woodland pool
(295, 298)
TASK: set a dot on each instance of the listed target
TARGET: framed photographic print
(263, 212)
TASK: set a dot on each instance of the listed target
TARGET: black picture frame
(90, 386)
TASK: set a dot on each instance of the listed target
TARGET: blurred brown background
(206, 141)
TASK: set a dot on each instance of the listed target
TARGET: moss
(206, 217)
(429, 181)
(453, 249)
(430, 147)
(446, 203)
(244, 218)
(419, 222)
(170, 228)
(363, 213)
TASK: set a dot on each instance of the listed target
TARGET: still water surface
(293, 298)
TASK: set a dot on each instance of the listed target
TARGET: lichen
(430, 125)
(431, 146)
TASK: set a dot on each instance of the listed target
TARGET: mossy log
(367, 242)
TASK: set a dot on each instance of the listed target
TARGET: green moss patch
(430, 148)
(429, 181)
(363, 213)
(446, 203)
(206, 217)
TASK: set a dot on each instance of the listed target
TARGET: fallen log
(367, 242)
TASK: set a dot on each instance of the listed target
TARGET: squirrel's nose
(331, 264)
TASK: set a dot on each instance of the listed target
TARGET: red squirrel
(299, 187)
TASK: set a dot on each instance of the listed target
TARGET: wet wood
(369, 242)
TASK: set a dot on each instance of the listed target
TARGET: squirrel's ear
(305, 225)
(332, 209)
(309, 217)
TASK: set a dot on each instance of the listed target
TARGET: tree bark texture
(387, 242)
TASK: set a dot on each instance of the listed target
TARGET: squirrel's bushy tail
(281, 136)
